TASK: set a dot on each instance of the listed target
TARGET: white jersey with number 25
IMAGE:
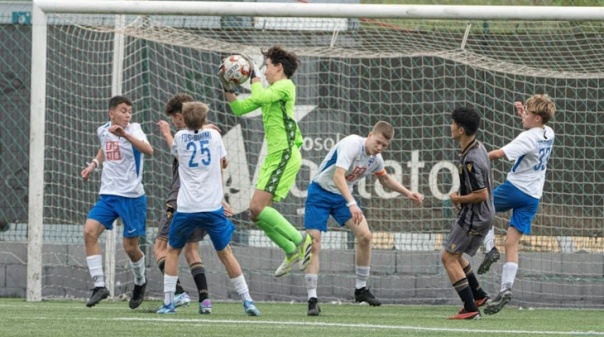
(199, 155)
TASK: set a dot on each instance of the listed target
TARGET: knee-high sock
(477, 291)
(465, 293)
(489, 240)
(508, 274)
(279, 230)
(138, 269)
(199, 276)
(161, 264)
(311, 284)
(241, 287)
(95, 267)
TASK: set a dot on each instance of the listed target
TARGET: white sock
(138, 268)
(508, 275)
(362, 276)
(95, 267)
(169, 288)
(241, 287)
(489, 240)
(311, 284)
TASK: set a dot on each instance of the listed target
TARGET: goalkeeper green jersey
(277, 104)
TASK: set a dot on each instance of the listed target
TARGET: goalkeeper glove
(226, 85)
(254, 72)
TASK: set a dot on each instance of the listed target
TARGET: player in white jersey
(199, 203)
(522, 189)
(122, 195)
(330, 193)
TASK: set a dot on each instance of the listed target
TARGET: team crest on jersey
(469, 166)
(370, 161)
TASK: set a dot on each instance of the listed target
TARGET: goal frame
(41, 8)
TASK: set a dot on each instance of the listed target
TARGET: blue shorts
(524, 207)
(132, 211)
(320, 204)
(216, 224)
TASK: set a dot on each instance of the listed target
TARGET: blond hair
(194, 114)
(541, 105)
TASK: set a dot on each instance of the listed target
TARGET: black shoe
(138, 294)
(98, 294)
(313, 307)
(364, 295)
(491, 257)
(495, 305)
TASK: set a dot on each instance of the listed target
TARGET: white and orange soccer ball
(235, 69)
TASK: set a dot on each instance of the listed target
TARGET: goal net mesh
(354, 72)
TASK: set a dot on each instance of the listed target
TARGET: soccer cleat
(491, 257)
(481, 301)
(286, 265)
(495, 305)
(364, 295)
(205, 307)
(167, 309)
(478, 303)
(98, 294)
(463, 314)
(250, 308)
(313, 307)
(182, 300)
(138, 294)
(305, 251)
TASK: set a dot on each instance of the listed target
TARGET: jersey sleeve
(260, 96)
(174, 147)
(380, 168)
(476, 173)
(137, 132)
(221, 147)
(346, 152)
(519, 146)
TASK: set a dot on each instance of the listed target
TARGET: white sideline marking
(363, 326)
(161, 320)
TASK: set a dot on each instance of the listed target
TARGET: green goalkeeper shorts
(279, 171)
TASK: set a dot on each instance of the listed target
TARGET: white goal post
(43, 8)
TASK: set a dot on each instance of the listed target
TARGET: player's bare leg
(233, 269)
(363, 259)
(137, 263)
(508, 274)
(94, 260)
(191, 252)
(311, 275)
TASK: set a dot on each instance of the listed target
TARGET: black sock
(199, 276)
(161, 264)
(465, 293)
(477, 291)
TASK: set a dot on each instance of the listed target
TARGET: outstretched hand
(519, 108)
(416, 197)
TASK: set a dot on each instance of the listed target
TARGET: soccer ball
(235, 69)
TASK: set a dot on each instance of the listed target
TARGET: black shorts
(164, 225)
(463, 239)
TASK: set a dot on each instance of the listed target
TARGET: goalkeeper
(283, 159)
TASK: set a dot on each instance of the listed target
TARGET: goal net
(355, 71)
